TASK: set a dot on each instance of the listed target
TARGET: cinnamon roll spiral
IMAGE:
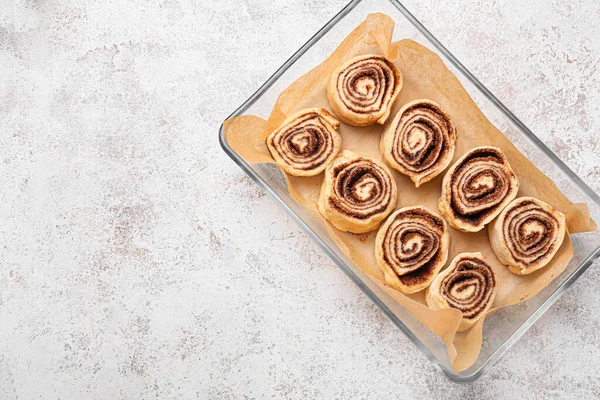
(476, 188)
(527, 234)
(468, 285)
(306, 142)
(357, 193)
(363, 90)
(411, 248)
(420, 141)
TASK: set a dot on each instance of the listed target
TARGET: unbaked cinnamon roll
(476, 188)
(468, 285)
(527, 234)
(306, 142)
(411, 248)
(420, 141)
(363, 90)
(357, 194)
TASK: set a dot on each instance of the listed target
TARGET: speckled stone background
(134, 261)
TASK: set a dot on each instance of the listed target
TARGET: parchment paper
(425, 76)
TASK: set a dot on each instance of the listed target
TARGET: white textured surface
(133, 261)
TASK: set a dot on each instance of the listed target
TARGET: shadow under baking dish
(504, 327)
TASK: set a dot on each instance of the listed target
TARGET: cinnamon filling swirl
(411, 248)
(527, 234)
(476, 188)
(420, 141)
(361, 91)
(362, 189)
(357, 193)
(469, 287)
(306, 142)
(468, 284)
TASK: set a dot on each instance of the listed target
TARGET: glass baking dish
(504, 327)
